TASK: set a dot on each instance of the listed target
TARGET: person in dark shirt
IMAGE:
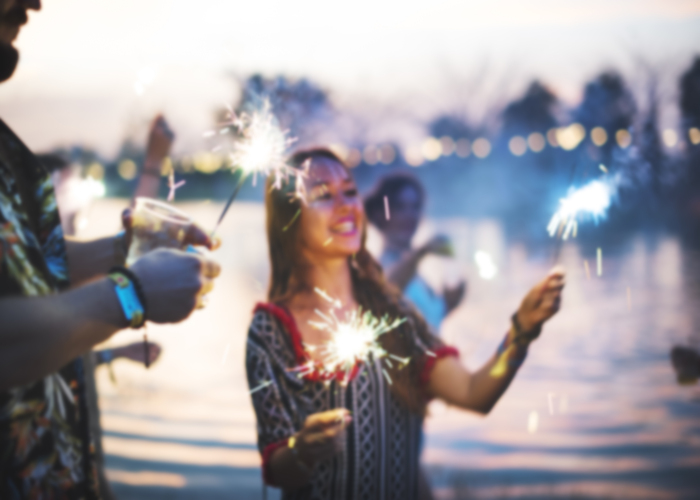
(58, 298)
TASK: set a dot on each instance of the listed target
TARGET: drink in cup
(156, 225)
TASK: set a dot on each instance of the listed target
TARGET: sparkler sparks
(591, 200)
(353, 339)
(260, 147)
(172, 185)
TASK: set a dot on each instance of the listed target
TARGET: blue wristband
(129, 300)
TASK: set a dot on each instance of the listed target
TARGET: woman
(356, 437)
(395, 206)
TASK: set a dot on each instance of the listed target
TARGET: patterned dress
(381, 455)
(44, 440)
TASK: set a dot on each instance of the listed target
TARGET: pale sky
(81, 58)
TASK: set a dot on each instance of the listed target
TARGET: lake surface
(595, 411)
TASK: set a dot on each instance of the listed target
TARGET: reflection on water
(595, 412)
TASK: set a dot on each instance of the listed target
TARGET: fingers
(197, 236)
(210, 269)
(320, 421)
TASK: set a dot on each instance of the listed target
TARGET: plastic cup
(156, 225)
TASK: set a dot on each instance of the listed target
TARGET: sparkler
(353, 339)
(260, 147)
(591, 200)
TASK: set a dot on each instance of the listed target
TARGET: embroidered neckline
(316, 374)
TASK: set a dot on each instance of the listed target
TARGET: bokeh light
(552, 137)
(570, 137)
(448, 145)
(431, 149)
(623, 138)
(462, 147)
(414, 156)
(127, 169)
(599, 136)
(536, 142)
(517, 145)
(387, 154)
(694, 136)
(670, 138)
(481, 147)
(370, 155)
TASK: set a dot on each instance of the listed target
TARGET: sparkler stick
(236, 190)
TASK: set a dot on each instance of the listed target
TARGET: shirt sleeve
(274, 422)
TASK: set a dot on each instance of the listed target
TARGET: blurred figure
(58, 298)
(395, 207)
(686, 362)
(74, 194)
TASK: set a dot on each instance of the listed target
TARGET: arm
(90, 259)
(320, 437)
(401, 273)
(38, 335)
(479, 391)
(160, 140)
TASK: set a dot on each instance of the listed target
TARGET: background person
(405, 197)
(328, 436)
(56, 302)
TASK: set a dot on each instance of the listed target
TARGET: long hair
(284, 214)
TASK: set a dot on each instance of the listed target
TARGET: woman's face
(333, 217)
(405, 211)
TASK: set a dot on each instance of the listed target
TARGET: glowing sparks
(599, 259)
(261, 386)
(328, 241)
(387, 213)
(261, 146)
(172, 185)
(296, 216)
(591, 200)
(353, 339)
(587, 269)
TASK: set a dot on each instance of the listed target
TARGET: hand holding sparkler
(542, 302)
(322, 437)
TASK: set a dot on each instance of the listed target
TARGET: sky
(85, 62)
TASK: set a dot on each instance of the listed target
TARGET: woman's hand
(543, 301)
(323, 435)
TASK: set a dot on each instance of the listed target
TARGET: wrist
(523, 332)
(120, 248)
(152, 165)
(130, 295)
(304, 465)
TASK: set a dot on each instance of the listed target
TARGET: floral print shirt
(45, 450)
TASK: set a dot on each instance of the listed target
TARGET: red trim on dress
(430, 361)
(267, 455)
(312, 371)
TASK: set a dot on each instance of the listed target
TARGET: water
(595, 412)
